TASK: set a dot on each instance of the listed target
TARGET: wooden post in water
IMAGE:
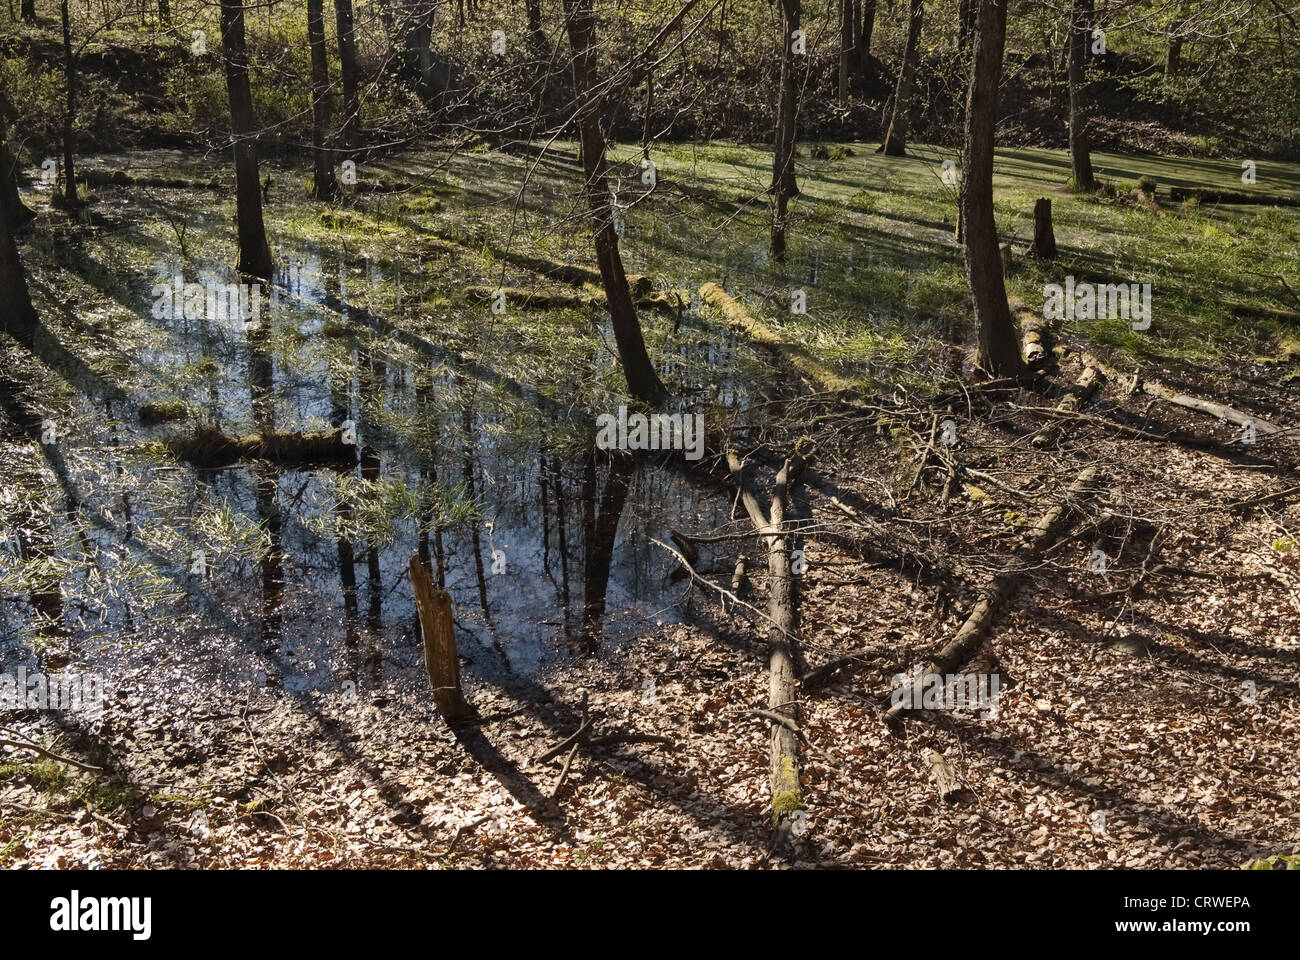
(441, 660)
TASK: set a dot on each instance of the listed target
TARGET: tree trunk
(782, 611)
(965, 24)
(848, 45)
(17, 315)
(783, 183)
(12, 209)
(254, 253)
(441, 658)
(324, 185)
(348, 67)
(642, 381)
(1044, 245)
(29, 11)
(864, 35)
(895, 144)
(998, 348)
(165, 12)
(69, 111)
(533, 10)
(1173, 57)
(1080, 160)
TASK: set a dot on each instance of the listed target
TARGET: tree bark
(642, 381)
(783, 187)
(348, 68)
(17, 315)
(848, 45)
(441, 658)
(864, 35)
(533, 10)
(1044, 245)
(12, 208)
(895, 144)
(782, 695)
(254, 252)
(69, 111)
(998, 348)
(324, 184)
(1173, 57)
(1080, 159)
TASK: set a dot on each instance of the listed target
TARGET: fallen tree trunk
(441, 658)
(210, 447)
(1035, 333)
(534, 300)
(738, 317)
(1077, 395)
(1155, 388)
(782, 698)
(965, 644)
(1210, 195)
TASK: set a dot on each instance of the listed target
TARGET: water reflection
(565, 567)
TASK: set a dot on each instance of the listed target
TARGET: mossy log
(1211, 195)
(738, 317)
(1078, 395)
(210, 447)
(120, 178)
(1036, 338)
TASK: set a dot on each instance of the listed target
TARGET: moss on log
(210, 447)
(739, 318)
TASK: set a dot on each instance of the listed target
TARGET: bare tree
(642, 380)
(348, 68)
(254, 252)
(783, 187)
(324, 185)
(895, 143)
(998, 350)
(1080, 160)
(70, 199)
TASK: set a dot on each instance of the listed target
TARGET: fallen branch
(967, 640)
(1155, 388)
(36, 748)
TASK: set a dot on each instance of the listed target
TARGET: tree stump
(1044, 245)
(441, 659)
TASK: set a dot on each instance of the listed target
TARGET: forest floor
(1147, 716)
